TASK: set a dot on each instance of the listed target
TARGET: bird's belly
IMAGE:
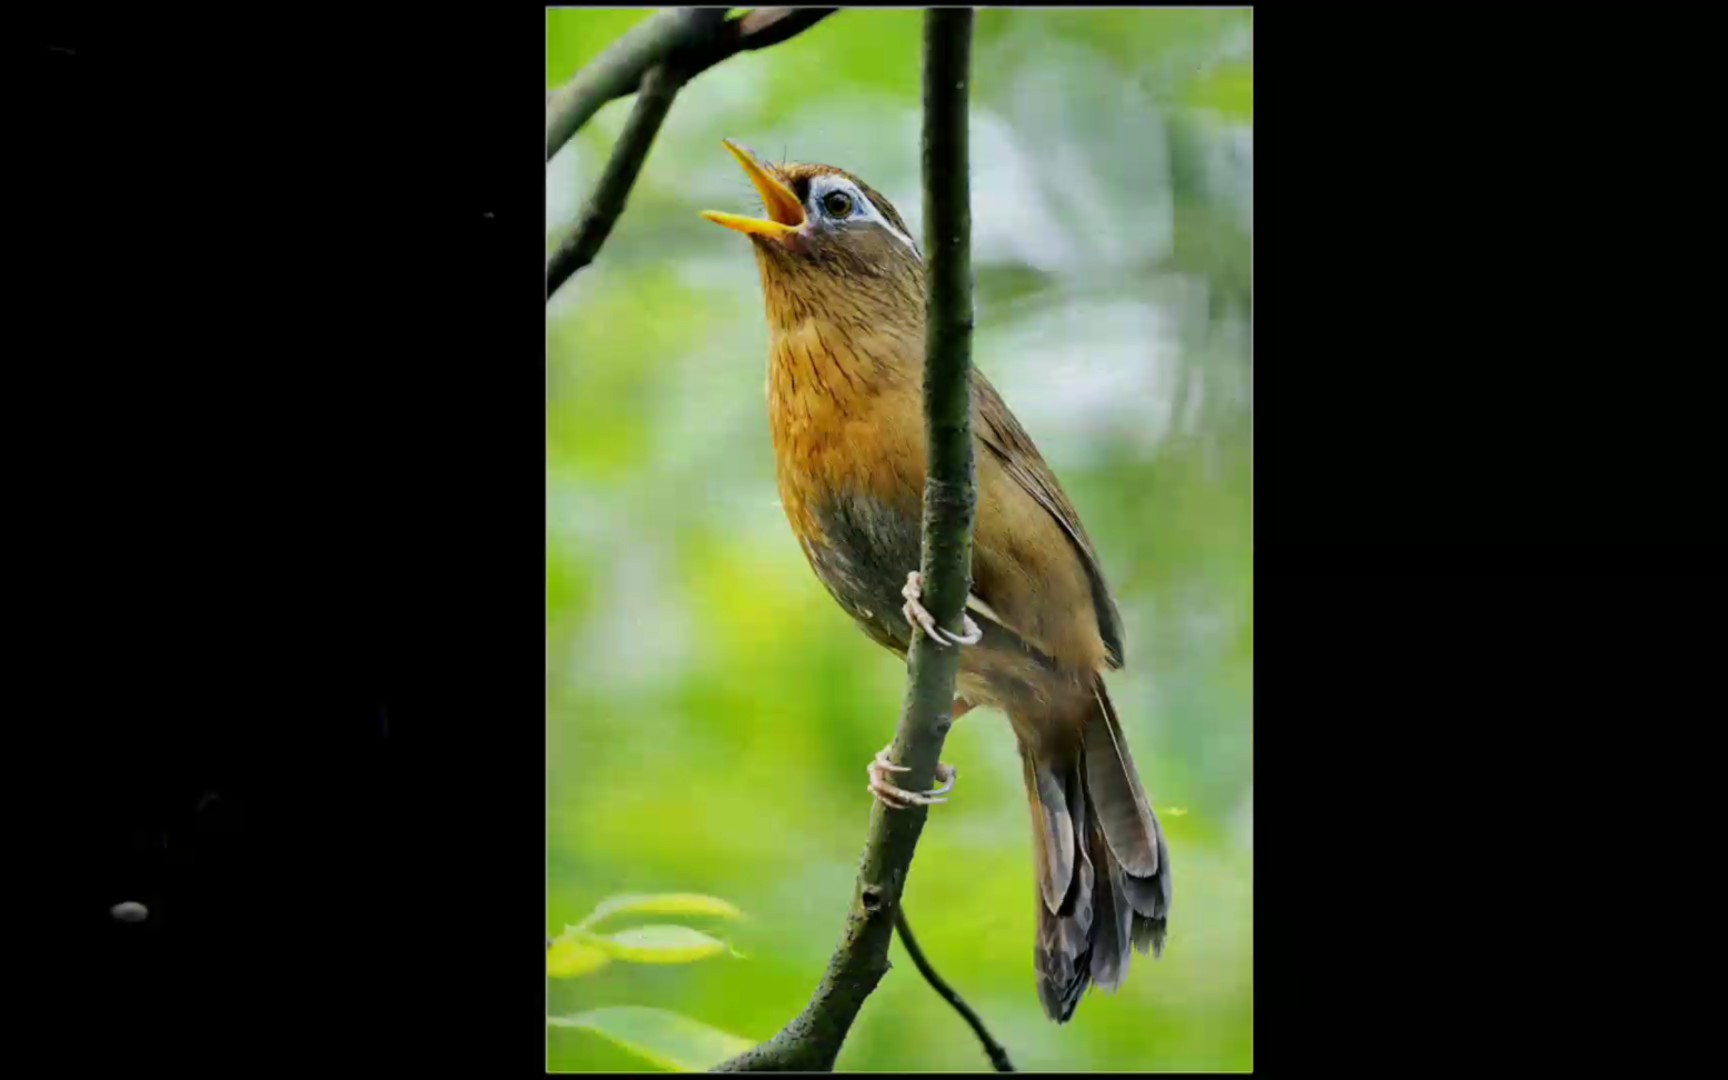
(862, 549)
(854, 497)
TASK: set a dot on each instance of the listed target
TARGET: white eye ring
(861, 209)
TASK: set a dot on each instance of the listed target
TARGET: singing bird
(843, 283)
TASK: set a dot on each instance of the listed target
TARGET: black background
(276, 414)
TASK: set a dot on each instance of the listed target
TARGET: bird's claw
(893, 797)
(915, 613)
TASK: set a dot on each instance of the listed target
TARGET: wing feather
(1001, 434)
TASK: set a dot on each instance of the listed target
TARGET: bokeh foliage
(711, 710)
(670, 1040)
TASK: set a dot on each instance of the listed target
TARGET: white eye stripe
(862, 208)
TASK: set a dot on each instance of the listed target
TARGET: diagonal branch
(659, 87)
(998, 1056)
(812, 1041)
(685, 31)
(656, 60)
(621, 68)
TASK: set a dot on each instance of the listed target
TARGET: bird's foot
(915, 613)
(893, 797)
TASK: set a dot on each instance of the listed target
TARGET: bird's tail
(1102, 864)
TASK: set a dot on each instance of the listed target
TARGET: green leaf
(665, 1038)
(656, 944)
(663, 904)
(571, 957)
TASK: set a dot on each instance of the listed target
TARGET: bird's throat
(818, 364)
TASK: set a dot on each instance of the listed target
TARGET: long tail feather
(1103, 865)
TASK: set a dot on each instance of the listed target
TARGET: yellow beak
(785, 213)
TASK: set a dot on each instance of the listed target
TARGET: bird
(843, 289)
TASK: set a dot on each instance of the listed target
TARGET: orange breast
(844, 420)
(846, 414)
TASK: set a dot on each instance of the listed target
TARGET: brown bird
(843, 283)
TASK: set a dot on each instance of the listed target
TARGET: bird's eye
(838, 204)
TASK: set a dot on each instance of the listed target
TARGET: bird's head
(829, 246)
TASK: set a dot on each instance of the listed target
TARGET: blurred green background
(712, 710)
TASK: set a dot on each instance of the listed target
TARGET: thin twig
(998, 1056)
(812, 1041)
(612, 74)
(621, 68)
(579, 248)
(676, 45)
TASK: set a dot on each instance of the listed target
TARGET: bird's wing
(1000, 433)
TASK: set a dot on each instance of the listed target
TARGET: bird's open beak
(785, 213)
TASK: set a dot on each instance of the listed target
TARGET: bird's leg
(915, 613)
(893, 797)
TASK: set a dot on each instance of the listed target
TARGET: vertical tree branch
(812, 1041)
